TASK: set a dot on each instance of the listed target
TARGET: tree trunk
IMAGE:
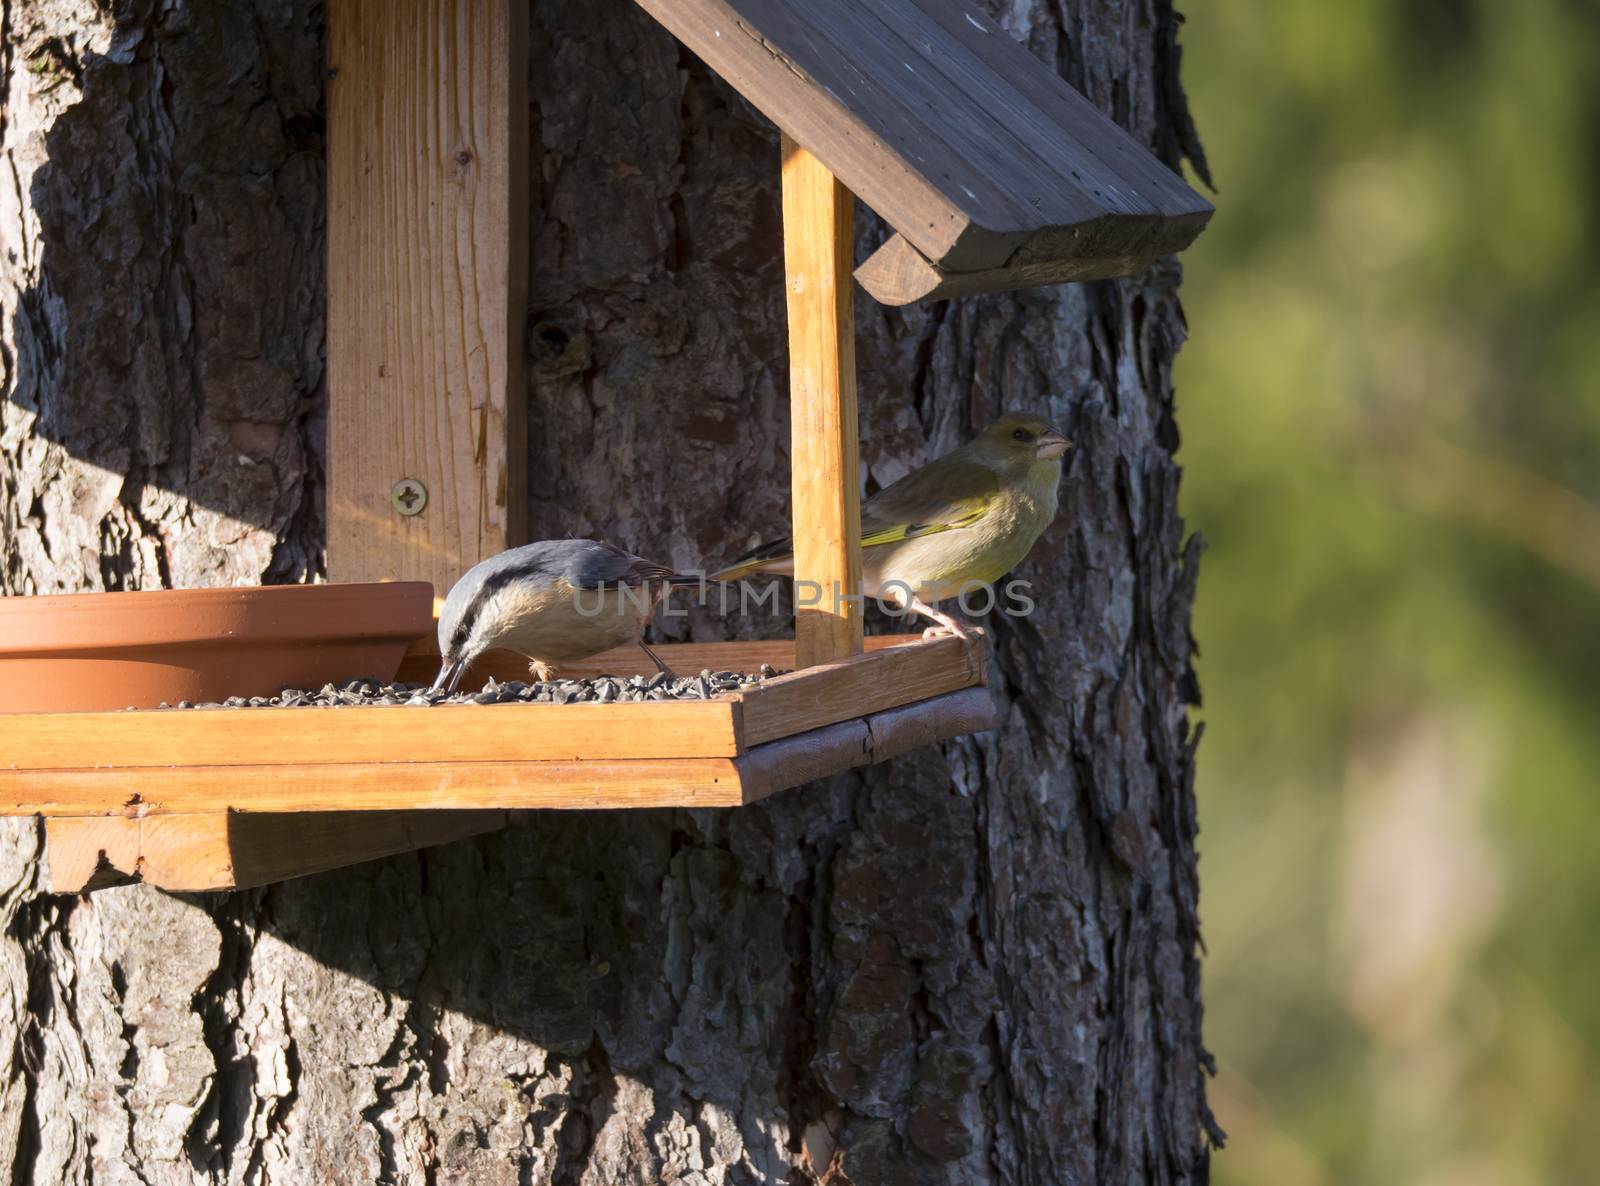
(975, 964)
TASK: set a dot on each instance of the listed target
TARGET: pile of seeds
(603, 689)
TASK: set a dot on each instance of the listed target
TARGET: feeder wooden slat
(459, 757)
(380, 735)
(289, 786)
(93, 852)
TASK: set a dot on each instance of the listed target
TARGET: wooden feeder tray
(214, 799)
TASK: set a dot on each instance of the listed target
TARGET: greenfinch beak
(1050, 445)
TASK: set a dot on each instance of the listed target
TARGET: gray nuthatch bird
(555, 601)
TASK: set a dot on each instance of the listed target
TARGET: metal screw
(409, 496)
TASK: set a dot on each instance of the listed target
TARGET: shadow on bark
(164, 371)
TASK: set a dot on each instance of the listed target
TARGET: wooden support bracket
(232, 850)
(818, 252)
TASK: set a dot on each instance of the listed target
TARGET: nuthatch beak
(449, 677)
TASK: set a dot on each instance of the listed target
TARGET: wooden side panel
(427, 254)
(367, 787)
(790, 761)
(825, 438)
(858, 687)
(928, 722)
(219, 850)
(398, 735)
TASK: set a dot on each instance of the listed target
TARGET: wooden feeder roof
(992, 171)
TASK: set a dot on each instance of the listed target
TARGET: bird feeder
(992, 174)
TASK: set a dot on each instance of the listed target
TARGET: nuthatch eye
(554, 601)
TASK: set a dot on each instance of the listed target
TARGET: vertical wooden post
(427, 258)
(818, 255)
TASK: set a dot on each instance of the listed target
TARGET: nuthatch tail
(555, 601)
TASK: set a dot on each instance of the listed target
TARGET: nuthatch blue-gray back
(555, 601)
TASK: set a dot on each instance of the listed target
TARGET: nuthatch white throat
(555, 601)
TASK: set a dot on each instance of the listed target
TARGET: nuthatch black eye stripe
(487, 592)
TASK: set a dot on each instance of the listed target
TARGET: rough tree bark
(972, 965)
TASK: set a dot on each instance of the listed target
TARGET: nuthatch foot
(554, 601)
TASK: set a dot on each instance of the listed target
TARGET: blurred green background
(1391, 416)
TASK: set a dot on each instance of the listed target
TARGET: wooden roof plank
(1011, 131)
(957, 143)
(993, 172)
(801, 107)
(1060, 114)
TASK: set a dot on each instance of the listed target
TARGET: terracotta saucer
(92, 651)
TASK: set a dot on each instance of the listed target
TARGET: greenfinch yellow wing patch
(941, 496)
(961, 514)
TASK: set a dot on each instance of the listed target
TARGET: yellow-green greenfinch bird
(963, 520)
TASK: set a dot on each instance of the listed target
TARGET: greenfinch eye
(1021, 434)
